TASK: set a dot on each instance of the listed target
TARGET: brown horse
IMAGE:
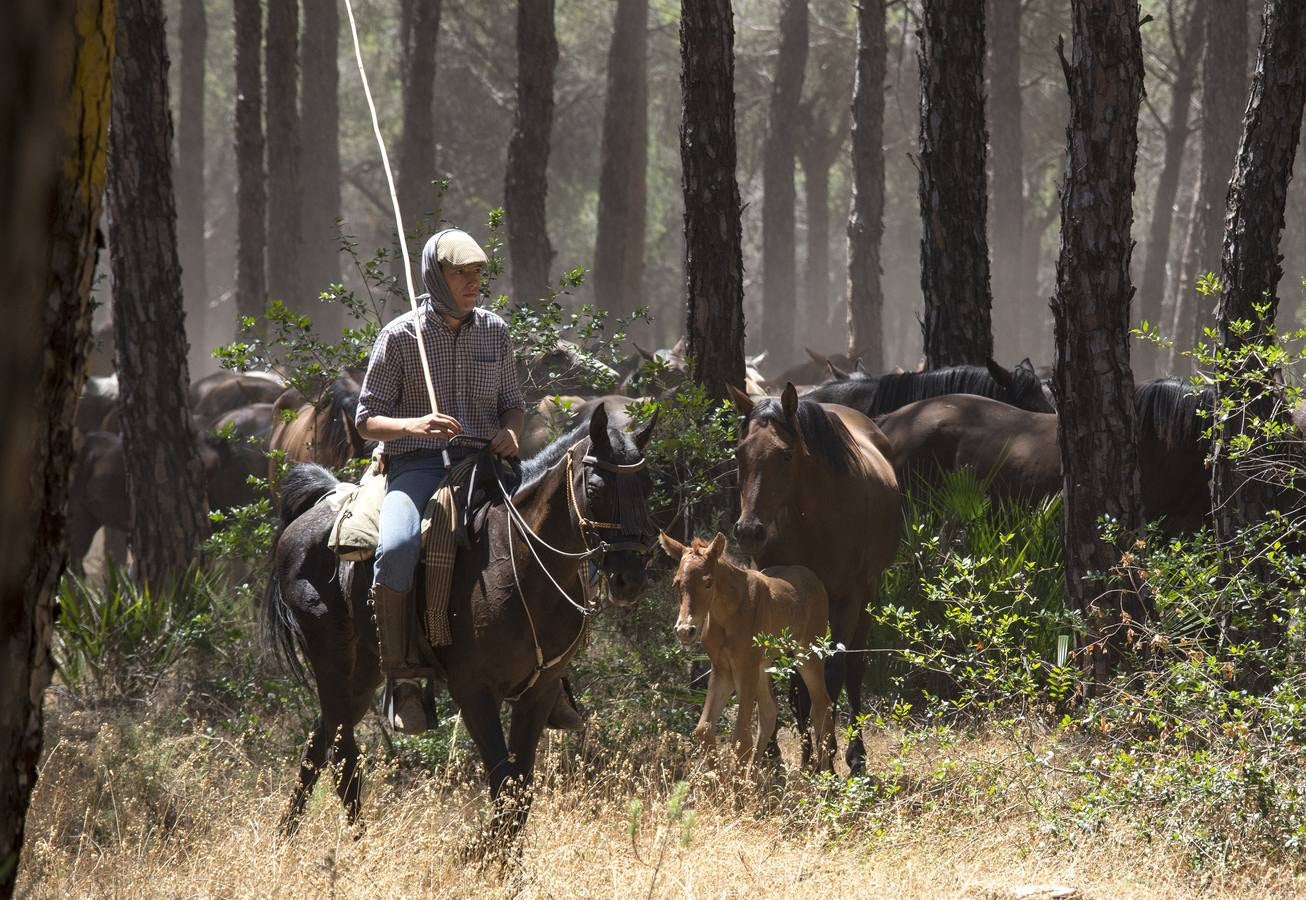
(514, 628)
(1012, 450)
(728, 605)
(322, 432)
(816, 489)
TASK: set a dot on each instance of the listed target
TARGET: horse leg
(480, 712)
(766, 716)
(349, 780)
(813, 677)
(720, 685)
(801, 702)
(315, 756)
(855, 755)
(746, 684)
(529, 717)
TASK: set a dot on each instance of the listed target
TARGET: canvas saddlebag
(357, 525)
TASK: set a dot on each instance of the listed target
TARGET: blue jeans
(410, 483)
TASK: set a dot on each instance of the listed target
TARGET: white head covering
(453, 247)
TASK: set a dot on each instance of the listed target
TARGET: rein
(585, 525)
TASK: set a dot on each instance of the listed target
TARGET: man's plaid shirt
(473, 370)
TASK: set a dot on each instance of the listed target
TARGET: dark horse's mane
(875, 395)
(1168, 412)
(533, 469)
(821, 433)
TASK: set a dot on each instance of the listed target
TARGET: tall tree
(866, 219)
(251, 184)
(1223, 100)
(1186, 51)
(191, 218)
(779, 271)
(1092, 379)
(55, 65)
(164, 475)
(526, 184)
(1013, 287)
(1252, 265)
(953, 190)
(284, 235)
(320, 131)
(419, 31)
(714, 265)
(623, 195)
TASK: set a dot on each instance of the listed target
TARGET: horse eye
(707, 581)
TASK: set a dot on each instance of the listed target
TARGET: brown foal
(727, 605)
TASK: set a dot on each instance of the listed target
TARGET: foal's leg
(720, 685)
(745, 668)
(813, 677)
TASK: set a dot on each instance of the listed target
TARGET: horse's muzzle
(686, 632)
(751, 535)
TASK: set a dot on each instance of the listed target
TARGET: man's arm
(389, 428)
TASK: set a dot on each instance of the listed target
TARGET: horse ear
(599, 428)
(860, 367)
(743, 402)
(644, 354)
(642, 437)
(717, 547)
(816, 357)
(789, 403)
(836, 373)
(1000, 375)
(670, 546)
(1026, 364)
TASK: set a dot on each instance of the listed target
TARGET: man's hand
(504, 443)
(435, 425)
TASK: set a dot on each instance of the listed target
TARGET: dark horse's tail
(303, 486)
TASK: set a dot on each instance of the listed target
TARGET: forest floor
(136, 800)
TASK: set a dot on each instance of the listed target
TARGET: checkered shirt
(473, 370)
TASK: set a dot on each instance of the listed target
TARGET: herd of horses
(821, 473)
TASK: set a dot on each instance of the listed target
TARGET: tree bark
(55, 63)
(623, 195)
(866, 219)
(1223, 99)
(419, 31)
(714, 264)
(526, 185)
(953, 192)
(1013, 285)
(251, 185)
(1252, 265)
(1152, 290)
(284, 234)
(779, 280)
(1092, 379)
(320, 136)
(164, 476)
(191, 218)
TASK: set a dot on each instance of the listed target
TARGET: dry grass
(130, 808)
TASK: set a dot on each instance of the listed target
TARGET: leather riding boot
(566, 715)
(400, 663)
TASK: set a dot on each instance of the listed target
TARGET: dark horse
(321, 432)
(816, 489)
(875, 395)
(585, 495)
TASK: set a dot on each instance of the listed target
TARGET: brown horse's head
(612, 487)
(694, 580)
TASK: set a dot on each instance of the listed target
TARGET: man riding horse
(475, 379)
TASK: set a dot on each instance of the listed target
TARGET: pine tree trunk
(419, 29)
(1223, 100)
(251, 185)
(1092, 378)
(191, 218)
(714, 264)
(953, 190)
(1252, 265)
(526, 185)
(320, 135)
(164, 476)
(1014, 293)
(780, 302)
(1152, 290)
(55, 64)
(623, 195)
(284, 234)
(818, 148)
(866, 219)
